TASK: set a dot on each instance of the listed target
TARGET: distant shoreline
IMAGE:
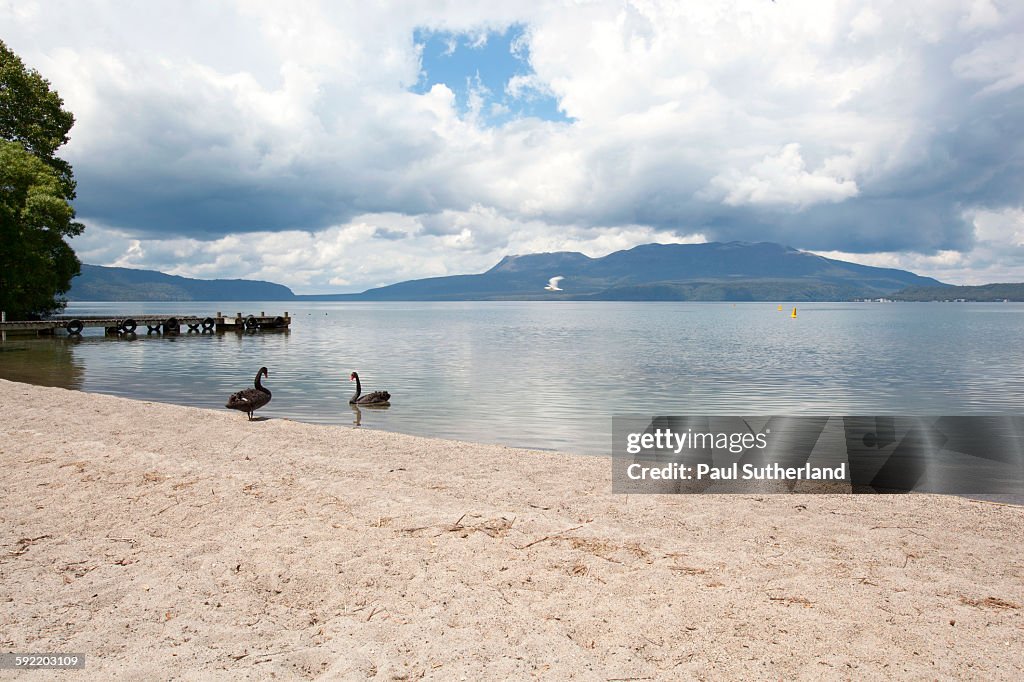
(338, 298)
(710, 271)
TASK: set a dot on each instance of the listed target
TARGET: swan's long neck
(259, 384)
(359, 389)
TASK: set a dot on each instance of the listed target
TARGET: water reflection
(357, 412)
(551, 375)
(44, 362)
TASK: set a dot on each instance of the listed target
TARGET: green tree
(36, 264)
(36, 188)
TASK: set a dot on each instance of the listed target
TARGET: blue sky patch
(479, 68)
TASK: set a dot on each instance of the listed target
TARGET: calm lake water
(551, 375)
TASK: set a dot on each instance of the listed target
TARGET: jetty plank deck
(166, 324)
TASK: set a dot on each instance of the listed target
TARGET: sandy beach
(171, 542)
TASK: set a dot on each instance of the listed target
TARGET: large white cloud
(284, 141)
(780, 179)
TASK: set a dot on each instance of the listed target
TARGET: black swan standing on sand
(375, 398)
(251, 399)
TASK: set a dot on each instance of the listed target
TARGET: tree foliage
(36, 188)
(36, 264)
(32, 114)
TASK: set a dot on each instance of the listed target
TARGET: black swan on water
(375, 398)
(251, 399)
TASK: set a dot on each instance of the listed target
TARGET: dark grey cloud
(391, 235)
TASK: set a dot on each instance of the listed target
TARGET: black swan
(251, 399)
(375, 398)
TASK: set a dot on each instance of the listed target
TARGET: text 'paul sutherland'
(734, 472)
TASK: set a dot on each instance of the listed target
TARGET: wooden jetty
(153, 324)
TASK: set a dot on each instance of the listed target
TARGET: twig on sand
(909, 556)
(23, 544)
(803, 601)
(268, 657)
(552, 536)
(417, 529)
(998, 504)
(495, 528)
(994, 602)
(502, 595)
(688, 570)
(912, 529)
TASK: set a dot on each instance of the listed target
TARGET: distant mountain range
(734, 271)
(981, 293)
(99, 283)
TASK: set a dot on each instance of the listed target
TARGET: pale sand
(167, 541)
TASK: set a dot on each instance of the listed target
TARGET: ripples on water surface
(551, 375)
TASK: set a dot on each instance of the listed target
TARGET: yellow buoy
(780, 307)
(794, 313)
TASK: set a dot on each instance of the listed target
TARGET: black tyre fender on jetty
(128, 326)
(208, 324)
(278, 321)
(251, 322)
(74, 326)
(171, 325)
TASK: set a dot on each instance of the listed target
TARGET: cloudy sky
(336, 146)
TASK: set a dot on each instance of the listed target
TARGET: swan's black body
(251, 399)
(375, 398)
